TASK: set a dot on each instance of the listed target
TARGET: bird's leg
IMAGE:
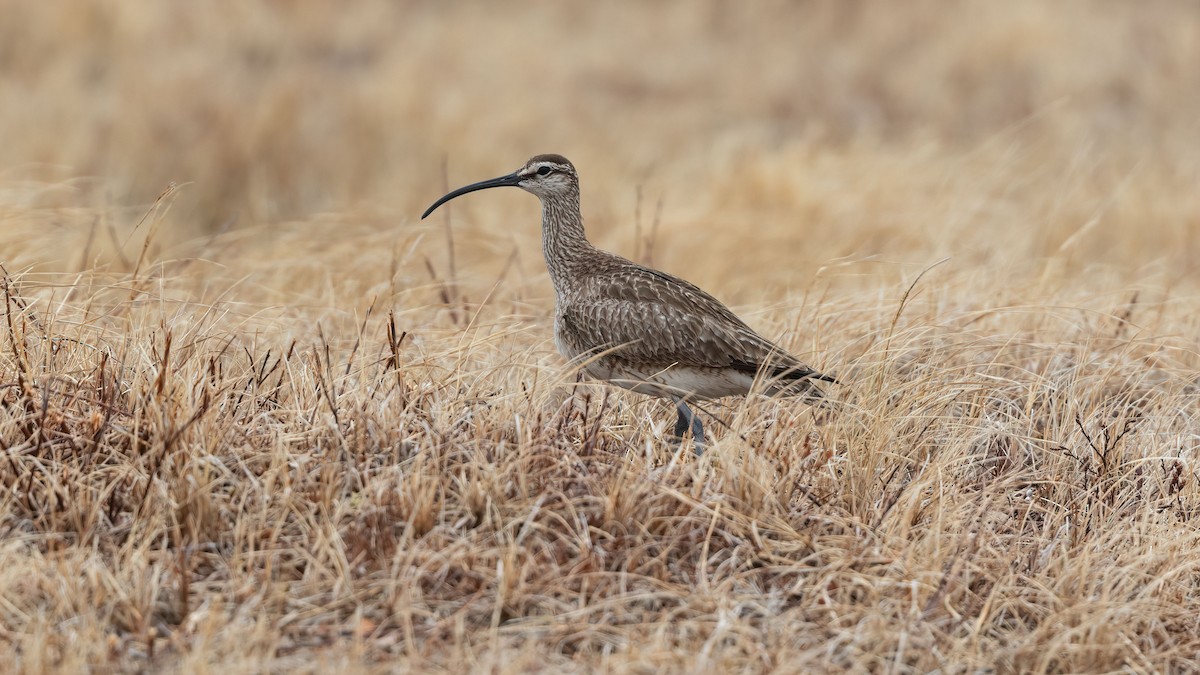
(686, 419)
(698, 433)
(681, 424)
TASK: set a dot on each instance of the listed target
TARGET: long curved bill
(502, 181)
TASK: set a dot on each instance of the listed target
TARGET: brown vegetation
(257, 416)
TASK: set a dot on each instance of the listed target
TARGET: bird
(637, 327)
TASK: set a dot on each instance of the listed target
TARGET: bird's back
(649, 322)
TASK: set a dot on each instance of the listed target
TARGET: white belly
(669, 381)
(674, 381)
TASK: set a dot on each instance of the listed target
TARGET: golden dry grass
(266, 419)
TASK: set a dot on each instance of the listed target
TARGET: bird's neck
(563, 241)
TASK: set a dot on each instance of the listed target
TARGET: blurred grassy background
(799, 134)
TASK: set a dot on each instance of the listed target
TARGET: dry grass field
(257, 416)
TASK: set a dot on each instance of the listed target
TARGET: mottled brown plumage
(637, 327)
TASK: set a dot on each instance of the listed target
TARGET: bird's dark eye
(544, 171)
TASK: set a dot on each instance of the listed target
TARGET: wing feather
(655, 319)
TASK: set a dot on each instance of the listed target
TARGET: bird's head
(546, 176)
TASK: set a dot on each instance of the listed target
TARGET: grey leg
(681, 424)
(698, 433)
(686, 419)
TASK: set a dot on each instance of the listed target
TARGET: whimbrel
(637, 327)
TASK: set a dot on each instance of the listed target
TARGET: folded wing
(657, 320)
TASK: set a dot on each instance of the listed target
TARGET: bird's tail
(801, 381)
